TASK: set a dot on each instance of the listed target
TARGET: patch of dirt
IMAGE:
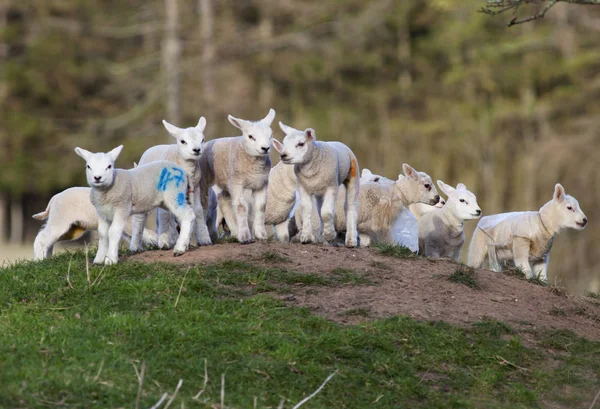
(416, 287)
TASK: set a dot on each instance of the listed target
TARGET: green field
(71, 336)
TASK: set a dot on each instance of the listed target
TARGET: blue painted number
(166, 176)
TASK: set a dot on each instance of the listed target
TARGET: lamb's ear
(365, 172)
(83, 153)
(447, 189)
(269, 118)
(201, 124)
(559, 193)
(286, 129)
(409, 171)
(461, 186)
(278, 145)
(114, 154)
(172, 129)
(310, 134)
(135, 165)
(238, 123)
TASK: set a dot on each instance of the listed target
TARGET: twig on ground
(160, 401)
(181, 287)
(140, 377)
(506, 362)
(99, 277)
(99, 371)
(595, 400)
(222, 391)
(197, 396)
(174, 394)
(87, 265)
(312, 395)
(281, 404)
(69, 273)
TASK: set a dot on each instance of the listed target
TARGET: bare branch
(495, 7)
(312, 395)
(539, 15)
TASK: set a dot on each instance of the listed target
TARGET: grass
(466, 276)
(394, 250)
(74, 343)
(273, 257)
(347, 276)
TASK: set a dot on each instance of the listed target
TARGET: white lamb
(524, 239)
(367, 176)
(186, 153)
(441, 229)
(381, 203)
(321, 167)
(237, 165)
(70, 214)
(118, 193)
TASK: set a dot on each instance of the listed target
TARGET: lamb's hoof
(205, 242)
(177, 253)
(307, 239)
(351, 243)
(110, 261)
(329, 237)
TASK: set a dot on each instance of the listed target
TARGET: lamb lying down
(70, 214)
(524, 239)
(117, 194)
(441, 229)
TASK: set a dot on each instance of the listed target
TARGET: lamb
(236, 165)
(186, 154)
(367, 176)
(321, 167)
(524, 239)
(381, 203)
(441, 229)
(118, 193)
(70, 213)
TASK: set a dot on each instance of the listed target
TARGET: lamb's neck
(314, 164)
(451, 221)
(549, 225)
(399, 189)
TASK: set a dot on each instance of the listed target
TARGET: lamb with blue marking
(118, 193)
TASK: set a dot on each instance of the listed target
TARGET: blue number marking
(166, 176)
(181, 199)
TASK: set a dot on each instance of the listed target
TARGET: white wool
(321, 167)
(524, 239)
(69, 215)
(441, 229)
(237, 166)
(186, 153)
(117, 194)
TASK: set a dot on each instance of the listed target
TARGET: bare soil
(416, 287)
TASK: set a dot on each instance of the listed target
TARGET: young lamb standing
(118, 193)
(186, 153)
(441, 229)
(524, 239)
(382, 202)
(321, 167)
(235, 166)
(70, 213)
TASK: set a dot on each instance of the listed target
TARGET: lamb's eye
(183, 142)
(88, 166)
(462, 200)
(376, 180)
(251, 137)
(300, 144)
(109, 167)
(569, 207)
(427, 186)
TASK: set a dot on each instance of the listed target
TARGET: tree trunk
(170, 59)
(208, 55)
(266, 89)
(16, 221)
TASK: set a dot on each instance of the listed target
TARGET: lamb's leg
(205, 192)
(212, 216)
(306, 207)
(282, 231)
(328, 214)
(115, 232)
(45, 240)
(540, 269)
(241, 212)
(185, 216)
(138, 221)
(365, 240)
(521, 255)
(260, 204)
(477, 249)
(351, 208)
(163, 221)
(226, 206)
(103, 226)
(201, 229)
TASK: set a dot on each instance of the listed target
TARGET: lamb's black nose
(196, 151)
(283, 155)
(436, 198)
(584, 221)
(478, 212)
(265, 150)
(97, 178)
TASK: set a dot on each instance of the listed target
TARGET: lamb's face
(461, 201)
(190, 141)
(368, 177)
(567, 210)
(297, 145)
(100, 167)
(258, 136)
(417, 187)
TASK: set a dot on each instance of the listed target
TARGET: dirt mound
(415, 287)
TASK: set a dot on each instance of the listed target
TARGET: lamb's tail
(44, 215)
(478, 248)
